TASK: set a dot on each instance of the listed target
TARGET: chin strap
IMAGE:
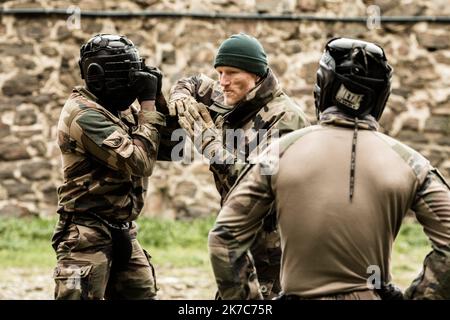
(353, 161)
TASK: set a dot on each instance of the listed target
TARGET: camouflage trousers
(266, 253)
(85, 267)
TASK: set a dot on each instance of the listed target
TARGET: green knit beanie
(243, 52)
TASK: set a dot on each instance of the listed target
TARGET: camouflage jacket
(105, 158)
(265, 114)
(316, 216)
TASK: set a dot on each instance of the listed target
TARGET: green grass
(176, 243)
(26, 243)
(410, 249)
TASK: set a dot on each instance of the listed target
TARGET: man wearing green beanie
(248, 104)
(243, 52)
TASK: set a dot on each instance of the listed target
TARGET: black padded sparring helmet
(106, 62)
(354, 76)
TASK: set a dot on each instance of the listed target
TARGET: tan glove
(200, 127)
(179, 102)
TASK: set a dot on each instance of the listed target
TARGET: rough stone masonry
(38, 68)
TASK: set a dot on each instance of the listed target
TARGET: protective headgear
(354, 76)
(106, 64)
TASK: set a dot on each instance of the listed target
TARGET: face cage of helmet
(115, 88)
(108, 64)
(354, 76)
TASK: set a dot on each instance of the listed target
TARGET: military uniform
(105, 159)
(329, 240)
(264, 114)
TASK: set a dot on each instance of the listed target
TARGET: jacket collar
(255, 99)
(83, 91)
(332, 116)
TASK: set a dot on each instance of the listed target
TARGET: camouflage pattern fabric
(434, 280)
(85, 268)
(239, 220)
(251, 197)
(266, 107)
(105, 159)
(433, 283)
(265, 114)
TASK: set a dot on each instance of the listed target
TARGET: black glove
(390, 292)
(145, 84)
(158, 74)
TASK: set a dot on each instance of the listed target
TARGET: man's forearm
(233, 268)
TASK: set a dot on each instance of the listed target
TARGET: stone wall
(38, 68)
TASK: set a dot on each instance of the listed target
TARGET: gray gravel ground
(174, 284)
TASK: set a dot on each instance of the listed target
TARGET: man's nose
(224, 80)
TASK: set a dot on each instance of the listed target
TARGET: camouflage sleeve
(110, 144)
(201, 87)
(432, 208)
(283, 124)
(292, 120)
(233, 233)
(228, 166)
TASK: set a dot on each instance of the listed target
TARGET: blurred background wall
(38, 68)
